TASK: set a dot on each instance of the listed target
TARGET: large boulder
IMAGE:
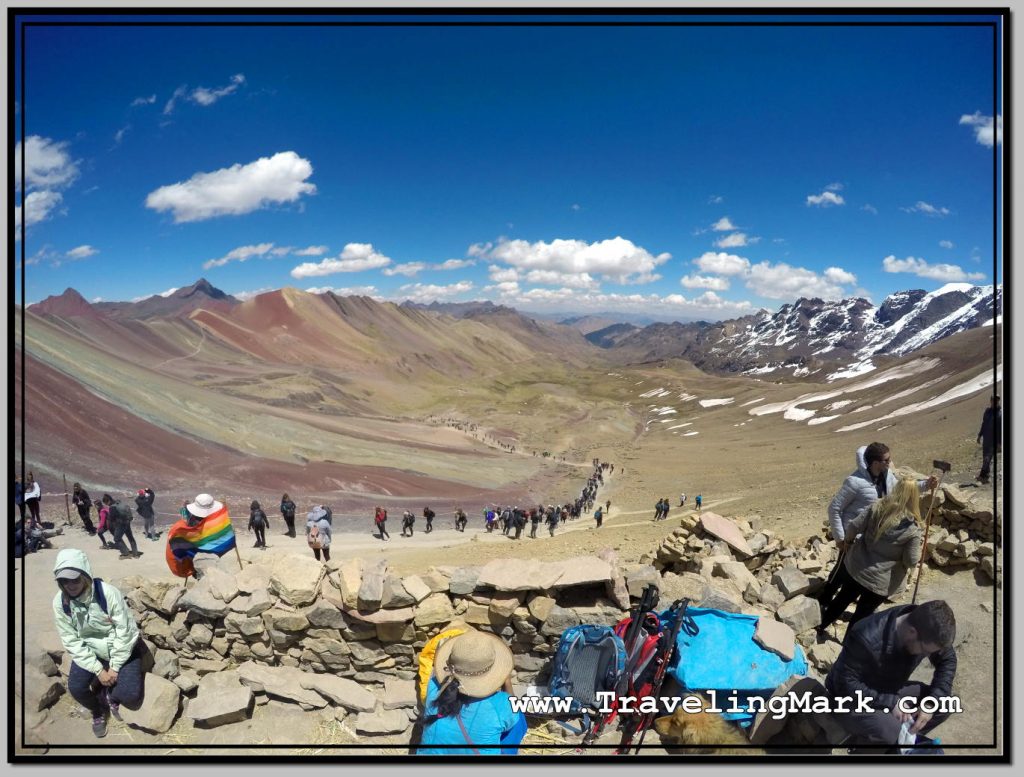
(341, 692)
(221, 699)
(371, 589)
(199, 600)
(638, 578)
(161, 700)
(296, 579)
(324, 615)
(583, 570)
(348, 578)
(284, 682)
(41, 691)
(687, 585)
(722, 594)
(277, 619)
(222, 585)
(254, 577)
(775, 637)
(504, 604)
(395, 596)
(416, 588)
(513, 574)
(738, 573)
(540, 607)
(464, 580)
(386, 722)
(558, 620)
(800, 613)
(727, 531)
(791, 581)
(399, 694)
(435, 610)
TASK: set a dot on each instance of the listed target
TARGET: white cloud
(948, 273)
(834, 187)
(119, 135)
(708, 305)
(247, 295)
(240, 254)
(311, 251)
(505, 288)
(722, 263)
(178, 94)
(203, 96)
(781, 281)
(143, 101)
(235, 190)
(38, 207)
(503, 274)
(704, 282)
(983, 128)
(454, 264)
(825, 199)
(615, 259)
(716, 199)
(409, 269)
(82, 252)
(927, 209)
(167, 293)
(945, 244)
(736, 240)
(47, 164)
(576, 207)
(348, 291)
(839, 275)
(419, 292)
(723, 225)
(578, 280)
(355, 257)
(870, 209)
(96, 299)
(281, 251)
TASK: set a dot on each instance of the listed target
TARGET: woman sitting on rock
(877, 561)
(468, 699)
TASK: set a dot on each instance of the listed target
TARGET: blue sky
(674, 172)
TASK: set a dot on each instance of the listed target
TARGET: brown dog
(702, 732)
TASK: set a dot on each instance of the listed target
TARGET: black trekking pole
(678, 614)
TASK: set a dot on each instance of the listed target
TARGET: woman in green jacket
(100, 634)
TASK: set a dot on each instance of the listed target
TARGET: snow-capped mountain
(834, 339)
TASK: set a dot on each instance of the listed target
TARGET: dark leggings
(290, 522)
(33, 508)
(261, 539)
(327, 553)
(127, 690)
(120, 532)
(850, 591)
(83, 513)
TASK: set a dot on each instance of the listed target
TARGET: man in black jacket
(878, 657)
(989, 437)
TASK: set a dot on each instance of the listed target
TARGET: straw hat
(480, 662)
(203, 506)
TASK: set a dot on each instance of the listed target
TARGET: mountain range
(829, 339)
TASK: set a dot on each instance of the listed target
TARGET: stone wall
(345, 636)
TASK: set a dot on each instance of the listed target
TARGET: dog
(702, 732)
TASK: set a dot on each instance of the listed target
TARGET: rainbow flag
(214, 534)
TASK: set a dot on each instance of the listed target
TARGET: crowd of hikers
(465, 682)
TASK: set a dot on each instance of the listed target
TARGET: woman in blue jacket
(468, 702)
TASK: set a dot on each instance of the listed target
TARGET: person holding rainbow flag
(206, 529)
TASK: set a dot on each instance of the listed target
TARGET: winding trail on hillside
(202, 339)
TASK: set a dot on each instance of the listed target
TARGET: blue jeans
(127, 690)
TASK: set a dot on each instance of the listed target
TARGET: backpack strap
(462, 727)
(98, 595)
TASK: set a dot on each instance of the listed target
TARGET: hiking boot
(126, 555)
(99, 726)
(136, 553)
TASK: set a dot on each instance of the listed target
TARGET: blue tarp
(723, 656)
